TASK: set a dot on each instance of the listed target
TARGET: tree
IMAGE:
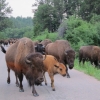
(88, 8)
(49, 14)
(46, 17)
(5, 10)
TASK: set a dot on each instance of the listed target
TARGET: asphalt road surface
(79, 87)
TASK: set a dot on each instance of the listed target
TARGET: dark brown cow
(21, 58)
(62, 50)
(89, 53)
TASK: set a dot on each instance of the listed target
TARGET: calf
(52, 66)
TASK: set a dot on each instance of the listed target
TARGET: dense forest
(78, 21)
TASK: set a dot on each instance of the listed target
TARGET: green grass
(88, 69)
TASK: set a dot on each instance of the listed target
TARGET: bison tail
(3, 49)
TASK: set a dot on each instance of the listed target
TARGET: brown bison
(52, 66)
(62, 50)
(45, 42)
(22, 59)
(89, 53)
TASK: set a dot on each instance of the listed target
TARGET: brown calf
(52, 66)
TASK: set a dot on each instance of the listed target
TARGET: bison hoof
(41, 84)
(53, 89)
(35, 94)
(45, 83)
(68, 76)
(17, 85)
(8, 82)
(21, 90)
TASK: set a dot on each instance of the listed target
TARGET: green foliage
(18, 33)
(20, 22)
(46, 35)
(18, 28)
(5, 10)
(79, 32)
(37, 29)
(42, 18)
(88, 8)
(2, 35)
(4, 23)
(48, 16)
(28, 33)
(88, 69)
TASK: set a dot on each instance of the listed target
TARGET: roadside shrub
(79, 32)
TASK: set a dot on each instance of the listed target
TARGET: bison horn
(43, 46)
(27, 61)
(44, 57)
(65, 53)
(35, 46)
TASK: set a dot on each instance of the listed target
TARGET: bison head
(70, 57)
(40, 48)
(35, 62)
(61, 69)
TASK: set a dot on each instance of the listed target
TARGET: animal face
(39, 76)
(70, 57)
(34, 76)
(61, 69)
(40, 48)
(35, 64)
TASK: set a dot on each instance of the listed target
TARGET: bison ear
(56, 66)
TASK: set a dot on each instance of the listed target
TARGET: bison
(89, 53)
(52, 66)
(40, 47)
(22, 59)
(62, 50)
(45, 42)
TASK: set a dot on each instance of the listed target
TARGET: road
(79, 87)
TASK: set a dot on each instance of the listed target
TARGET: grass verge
(88, 69)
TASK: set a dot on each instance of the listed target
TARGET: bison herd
(33, 58)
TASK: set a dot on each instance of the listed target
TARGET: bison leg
(80, 59)
(34, 91)
(45, 79)
(17, 83)
(83, 61)
(52, 81)
(68, 76)
(20, 76)
(8, 79)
